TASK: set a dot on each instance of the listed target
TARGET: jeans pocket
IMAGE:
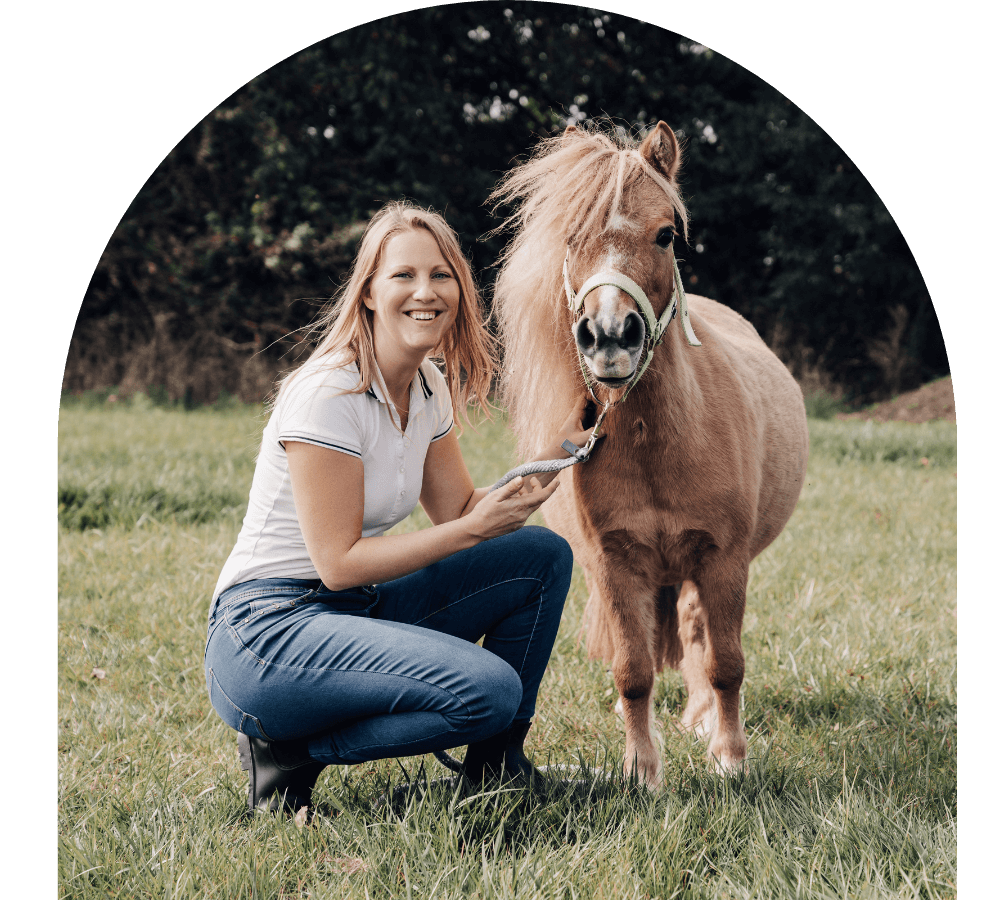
(230, 713)
(247, 607)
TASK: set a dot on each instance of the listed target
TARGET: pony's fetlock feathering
(703, 460)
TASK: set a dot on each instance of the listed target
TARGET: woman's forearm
(386, 557)
(487, 514)
(476, 496)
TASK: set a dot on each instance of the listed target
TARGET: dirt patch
(932, 401)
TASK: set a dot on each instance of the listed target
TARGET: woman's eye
(665, 237)
(442, 275)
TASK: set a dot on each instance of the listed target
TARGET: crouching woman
(330, 642)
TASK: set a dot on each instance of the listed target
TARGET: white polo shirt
(312, 408)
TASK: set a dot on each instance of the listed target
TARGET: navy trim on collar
(424, 386)
(428, 393)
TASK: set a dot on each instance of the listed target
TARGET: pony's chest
(630, 513)
(644, 492)
(640, 497)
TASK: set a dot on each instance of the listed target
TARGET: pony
(702, 458)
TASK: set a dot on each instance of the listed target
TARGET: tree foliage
(257, 210)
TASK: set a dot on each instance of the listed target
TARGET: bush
(822, 405)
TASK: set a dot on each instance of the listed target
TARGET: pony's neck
(667, 393)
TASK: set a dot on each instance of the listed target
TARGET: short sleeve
(316, 410)
(441, 399)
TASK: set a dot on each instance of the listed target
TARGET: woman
(330, 642)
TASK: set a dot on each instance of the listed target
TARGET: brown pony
(702, 462)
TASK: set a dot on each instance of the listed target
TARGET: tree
(253, 217)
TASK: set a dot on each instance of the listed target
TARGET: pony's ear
(570, 131)
(661, 151)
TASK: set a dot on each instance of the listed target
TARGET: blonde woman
(330, 642)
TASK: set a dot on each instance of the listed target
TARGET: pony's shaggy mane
(570, 187)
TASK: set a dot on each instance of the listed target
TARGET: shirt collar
(420, 390)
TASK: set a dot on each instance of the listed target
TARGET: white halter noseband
(655, 328)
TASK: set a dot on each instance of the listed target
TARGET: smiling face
(414, 296)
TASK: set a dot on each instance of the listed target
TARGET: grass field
(850, 702)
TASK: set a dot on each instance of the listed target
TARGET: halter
(655, 328)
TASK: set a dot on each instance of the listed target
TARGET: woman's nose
(424, 288)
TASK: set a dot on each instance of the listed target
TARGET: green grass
(850, 702)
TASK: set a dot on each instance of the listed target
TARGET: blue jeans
(392, 670)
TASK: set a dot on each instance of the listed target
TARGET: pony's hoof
(648, 774)
(730, 767)
(651, 780)
(729, 761)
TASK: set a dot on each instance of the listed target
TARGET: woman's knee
(496, 698)
(545, 545)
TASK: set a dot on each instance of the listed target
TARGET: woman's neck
(398, 371)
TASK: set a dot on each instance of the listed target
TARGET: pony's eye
(665, 237)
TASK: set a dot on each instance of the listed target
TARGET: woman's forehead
(411, 246)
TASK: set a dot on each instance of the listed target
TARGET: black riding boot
(274, 785)
(500, 756)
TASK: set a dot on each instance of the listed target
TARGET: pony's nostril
(633, 333)
(586, 337)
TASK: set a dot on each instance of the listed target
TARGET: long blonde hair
(345, 330)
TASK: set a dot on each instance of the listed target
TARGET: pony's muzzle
(610, 346)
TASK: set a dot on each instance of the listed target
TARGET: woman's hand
(572, 429)
(506, 509)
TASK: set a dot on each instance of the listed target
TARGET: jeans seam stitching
(531, 637)
(481, 591)
(244, 715)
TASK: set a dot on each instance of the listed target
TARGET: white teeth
(422, 316)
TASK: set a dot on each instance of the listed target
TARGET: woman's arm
(447, 492)
(329, 492)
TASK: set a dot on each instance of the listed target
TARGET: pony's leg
(700, 713)
(723, 601)
(630, 605)
(642, 739)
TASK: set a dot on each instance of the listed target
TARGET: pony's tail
(600, 642)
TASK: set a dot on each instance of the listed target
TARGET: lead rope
(576, 455)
